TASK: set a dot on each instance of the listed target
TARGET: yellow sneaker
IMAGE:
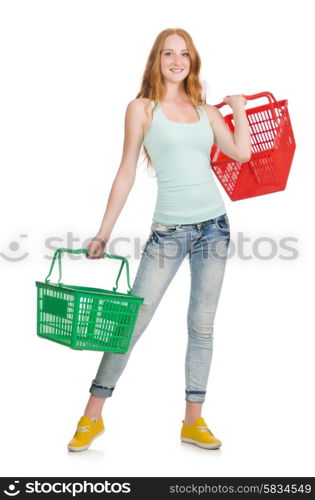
(86, 432)
(198, 433)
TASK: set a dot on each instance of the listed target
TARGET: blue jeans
(207, 244)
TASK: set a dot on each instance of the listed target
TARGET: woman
(177, 129)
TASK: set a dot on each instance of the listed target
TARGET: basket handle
(271, 98)
(58, 254)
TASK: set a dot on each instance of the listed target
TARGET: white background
(69, 69)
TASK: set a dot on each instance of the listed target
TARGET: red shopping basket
(273, 147)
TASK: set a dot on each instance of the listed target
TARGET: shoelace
(204, 428)
(83, 428)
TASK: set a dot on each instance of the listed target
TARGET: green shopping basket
(86, 318)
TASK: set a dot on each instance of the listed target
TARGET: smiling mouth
(176, 70)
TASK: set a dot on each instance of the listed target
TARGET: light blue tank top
(180, 154)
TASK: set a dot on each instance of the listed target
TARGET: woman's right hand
(96, 248)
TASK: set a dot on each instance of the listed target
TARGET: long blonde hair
(152, 86)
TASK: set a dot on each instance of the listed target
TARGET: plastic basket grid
(86, 318)
(273, 147)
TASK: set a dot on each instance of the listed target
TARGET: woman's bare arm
(126, 173)
(237, 145)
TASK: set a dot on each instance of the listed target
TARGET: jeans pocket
(162, 230)
(222, 223)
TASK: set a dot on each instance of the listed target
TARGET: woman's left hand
(234, 100)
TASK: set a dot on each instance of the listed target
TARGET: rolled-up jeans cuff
(101, 391)
(195, 396)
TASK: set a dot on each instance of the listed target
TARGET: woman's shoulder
(210, 110)
(140, 102)
(139, 109)
(142, 106)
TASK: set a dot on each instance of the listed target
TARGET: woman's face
(175, 56)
